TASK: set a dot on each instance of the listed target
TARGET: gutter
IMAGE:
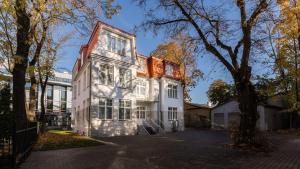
(90, 98)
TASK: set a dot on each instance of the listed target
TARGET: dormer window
(169, 69)
(116, 45)
(142, 65)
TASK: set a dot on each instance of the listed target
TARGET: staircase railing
(157, 126)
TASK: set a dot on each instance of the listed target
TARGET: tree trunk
(43, 110)
(32, 97)
(247, 99)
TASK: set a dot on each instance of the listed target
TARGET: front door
(140, 114)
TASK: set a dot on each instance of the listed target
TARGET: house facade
(118, 92)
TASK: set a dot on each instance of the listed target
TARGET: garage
(219, 120)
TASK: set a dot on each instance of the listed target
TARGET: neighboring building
(196, 115)
(58, 99)
(117, 92)
(271, 116)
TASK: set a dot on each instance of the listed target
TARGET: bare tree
(228, 38)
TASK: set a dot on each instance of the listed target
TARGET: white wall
(233, 106)
(171, 102)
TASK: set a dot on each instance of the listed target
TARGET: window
(125, 78)
(88, 77)
(172, 91)
(141, 113)
(124, 109)
(169, 70)
(142, 64)
(75, 91)
(172, 113)
(49, 98)
(141, 88)
(106, 74)
(79, 88)
(63, 99)
(84, 80)
(105, 108)
(116, 45)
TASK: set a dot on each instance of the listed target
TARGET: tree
(228, 39)
(220, 92)
(180, 50)
(6, 116)
(288, 45)
(20, 22)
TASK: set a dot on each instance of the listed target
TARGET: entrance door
(141, 114)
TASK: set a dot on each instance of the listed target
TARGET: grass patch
(57, 139)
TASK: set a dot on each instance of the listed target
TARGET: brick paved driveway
(190, 149)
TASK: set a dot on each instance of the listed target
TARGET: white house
(118, 92)
(270, 114)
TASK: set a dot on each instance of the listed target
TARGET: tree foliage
(220, 92)
(287, 63)
(181, 50)
(6, 116)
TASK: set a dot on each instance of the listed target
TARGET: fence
(15, 145)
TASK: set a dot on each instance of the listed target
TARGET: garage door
(219, 120)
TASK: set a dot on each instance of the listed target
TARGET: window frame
(105, 106)
(172, 90)
(139, 111)
(124, 107)
(169, 69)
(139, 85)
(172, 112)
(122, 77)
(108, 71)
(116, 44)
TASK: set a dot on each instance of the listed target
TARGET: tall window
(141, 112)
(125, 78)
(49, 98)
(63, 99)
(169, 70)
(84, 80)
(172, 91)
(79, 88)
(75, 91)
(142, 64)
(124, 109)
(141, 88)
(116, 45)
(105, 108)
(106, 74)
(172, 113)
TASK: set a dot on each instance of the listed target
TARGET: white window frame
(125, 106)
(125, 77)
(141, 88)
(106, 106)
(142, 64)
(116, 44)
(172, 91)
(106, 71)
(141, 112)
(169, 70)
(172, 113)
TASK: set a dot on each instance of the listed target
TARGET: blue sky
(130, 16)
